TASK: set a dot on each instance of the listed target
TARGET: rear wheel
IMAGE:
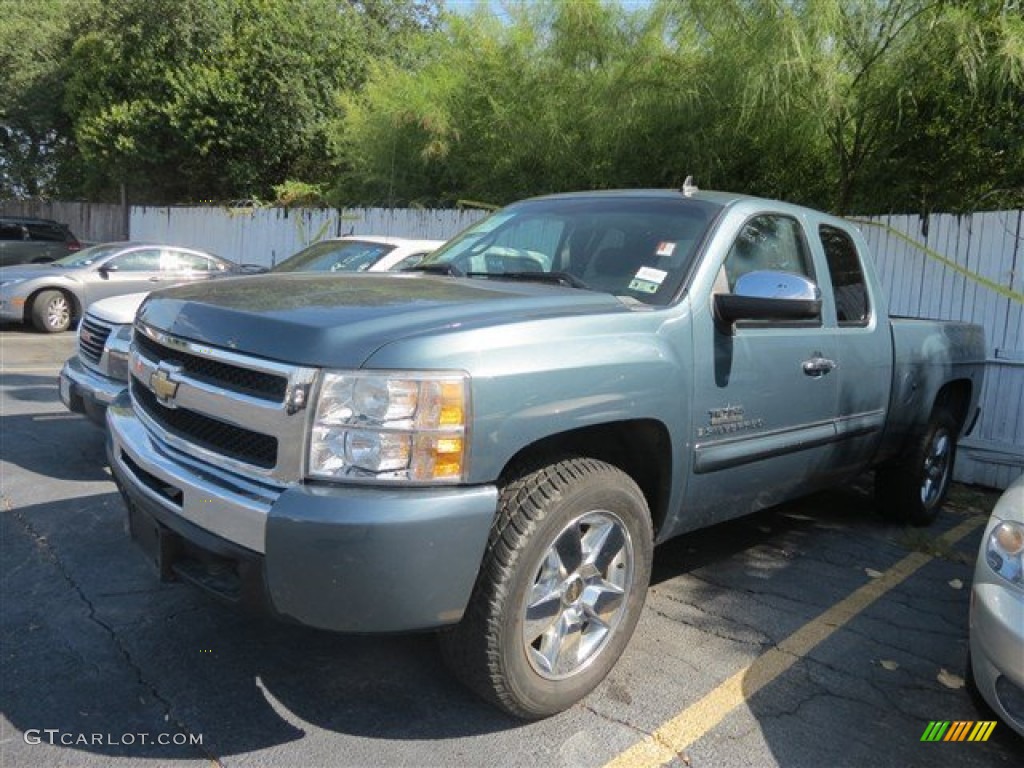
(560, 590)
(914, 490)
(51, 312)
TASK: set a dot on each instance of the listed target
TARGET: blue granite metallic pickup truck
(492, 444)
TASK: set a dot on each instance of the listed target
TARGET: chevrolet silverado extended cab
(492, 444)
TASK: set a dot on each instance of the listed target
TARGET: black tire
(51, 311)
(489, 649)
(914, 490)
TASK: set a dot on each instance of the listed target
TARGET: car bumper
(85, 391)
(349, 559)
(12, 312)
(997, 646)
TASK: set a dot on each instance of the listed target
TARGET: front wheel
(914, 490)
(51, 312)
(560, 590)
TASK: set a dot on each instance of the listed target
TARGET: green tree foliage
(184, 99)
(956, 141)
(34, 150)
(847, 104)
(866, 86)
(544, 101)
(851, 105)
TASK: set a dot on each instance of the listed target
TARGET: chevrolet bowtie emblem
(163, 386)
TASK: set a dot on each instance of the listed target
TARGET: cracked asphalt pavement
(104, 665)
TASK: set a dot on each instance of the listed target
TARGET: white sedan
(995, 667)
(359, 253)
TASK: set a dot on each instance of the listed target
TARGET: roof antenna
(689, 189)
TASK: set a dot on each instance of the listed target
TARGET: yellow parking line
(676, 735)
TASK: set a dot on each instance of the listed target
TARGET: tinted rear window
(11, 232)
(49, 232)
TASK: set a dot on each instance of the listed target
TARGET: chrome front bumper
(344, 558)
(85, 391)
(223, 504)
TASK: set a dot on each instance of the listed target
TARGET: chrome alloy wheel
(578, 596)
(937, 466)
(58, 313)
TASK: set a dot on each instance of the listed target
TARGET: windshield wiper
(555, 278)
(444, 268)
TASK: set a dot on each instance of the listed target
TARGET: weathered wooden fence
(90, 222)
(944, 267)
(967, 268)
(266, 236)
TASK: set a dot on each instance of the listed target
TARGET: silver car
(53, 296)
(98, 372)
(995, 667)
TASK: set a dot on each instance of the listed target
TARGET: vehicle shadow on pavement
(30, 388)
(849, 507)
(866, 688)
(61, 445)
(93, 643)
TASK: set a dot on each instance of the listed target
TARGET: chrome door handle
(819, 366)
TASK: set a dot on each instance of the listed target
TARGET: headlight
(1004, 551)
(12, 281)
(118, 352)
(395, 427)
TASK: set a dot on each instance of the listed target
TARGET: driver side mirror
(106, 269)
(768, 295)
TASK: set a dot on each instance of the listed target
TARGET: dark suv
(34, 241)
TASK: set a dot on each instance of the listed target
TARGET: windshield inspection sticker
(665, 249)
(647, 280)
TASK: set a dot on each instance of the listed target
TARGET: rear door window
(147, 260)
(47, 232)
(848, 286)
(185, 261)
(11, 232)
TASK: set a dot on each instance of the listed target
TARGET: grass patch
(971, 499)
(918, 540)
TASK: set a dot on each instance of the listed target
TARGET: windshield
(633, 246)
(335, 256)
(87, 257)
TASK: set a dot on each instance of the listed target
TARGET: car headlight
(12, 281)
(393, 427)
(119, 351)
(1004, 551)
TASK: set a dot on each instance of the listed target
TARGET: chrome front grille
(92, 336)
(245, 381)
(209, 433)
(242, 413)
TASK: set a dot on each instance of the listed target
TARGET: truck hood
(340, 320)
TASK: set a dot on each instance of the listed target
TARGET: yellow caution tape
(990, 284)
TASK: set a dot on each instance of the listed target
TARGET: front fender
(539, 378)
